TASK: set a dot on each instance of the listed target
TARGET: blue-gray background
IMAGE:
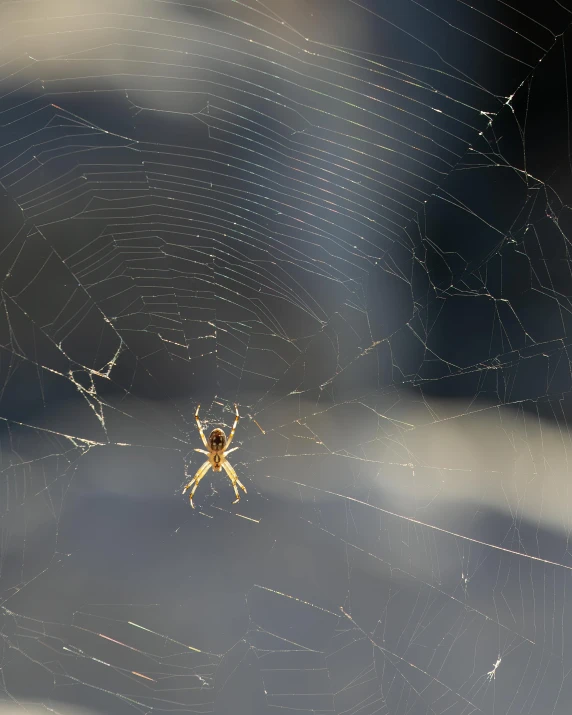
(352, 219)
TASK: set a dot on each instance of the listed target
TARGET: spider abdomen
(217, 440)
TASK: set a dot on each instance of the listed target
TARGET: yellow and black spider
(216, 450)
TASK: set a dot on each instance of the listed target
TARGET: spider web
(352, 219)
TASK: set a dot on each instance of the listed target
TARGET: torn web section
(108, 635)
(68, 451)
(443, 606)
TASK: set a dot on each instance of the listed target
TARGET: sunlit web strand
(428, 526)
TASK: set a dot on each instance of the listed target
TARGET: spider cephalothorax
(216, 451)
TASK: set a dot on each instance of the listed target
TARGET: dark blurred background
(352, 219)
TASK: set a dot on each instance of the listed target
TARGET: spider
(216, 450)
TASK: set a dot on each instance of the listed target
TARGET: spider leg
(200, 428)
(231, 435)
(233, 476)
(202, 451)
(228, 451)
(196, 480)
